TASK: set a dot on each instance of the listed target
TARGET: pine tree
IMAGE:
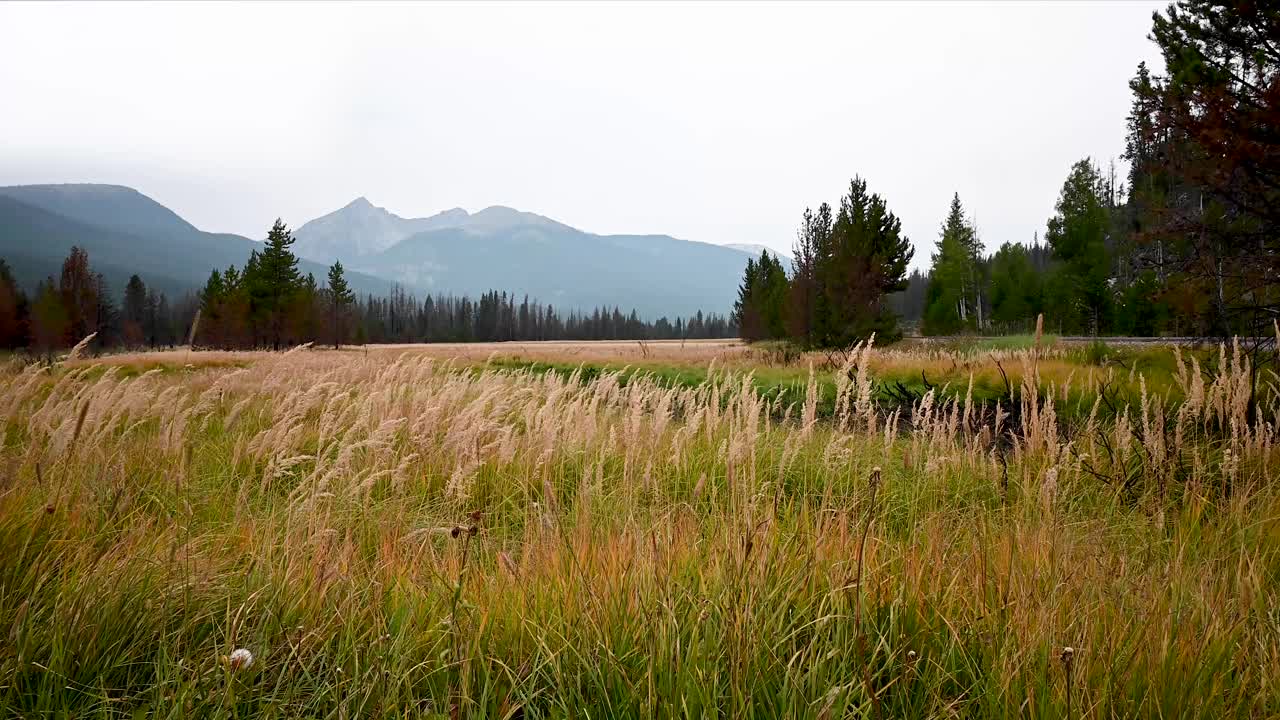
(106, 316)
(151, 319)
(953, 301)
(760, 310)
(340, 299)
(1016, 289)
(1078, 235)
(78, 290)
(274, 283)
(214, 321)
(14, 321)
(239, 327)
(49, 319)
(135, 312)
(811, 250)
(1205, 165)
(866, 258)
(745, 313)
(1141, 311)
(771, 295)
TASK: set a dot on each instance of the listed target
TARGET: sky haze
(714, 122)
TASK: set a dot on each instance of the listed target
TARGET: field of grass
(640, 530)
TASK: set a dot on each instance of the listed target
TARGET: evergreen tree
(49, 319)
(760, 310)
(866, 258)
(238, 323)
(172, 322)
(745, 311)
(78, 290)
(340, 298)
(812, 248)
(772, 295)
(156, 312)
(306, 312)
(954, 299)
(1016, 289)
(14, 321)
(1205, 164)
(274, 283)
(135, 318)
(1141, 311)
(1078, 235)
(214, 321)
(106, 319)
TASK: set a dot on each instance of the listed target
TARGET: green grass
(1005, 342)
(789, 384)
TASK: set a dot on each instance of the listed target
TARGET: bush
(1097, 353)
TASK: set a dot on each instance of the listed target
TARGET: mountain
(111, 206)
(361, 229)
(455, 251)
(124, 232)
(655, 274)
(521, 252)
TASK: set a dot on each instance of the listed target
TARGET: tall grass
(390, 535)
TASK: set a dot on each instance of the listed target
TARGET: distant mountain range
(126, 232)
(361, 229)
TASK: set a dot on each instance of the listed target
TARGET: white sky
(716, 122)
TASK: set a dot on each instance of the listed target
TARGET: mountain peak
(452, 214)
(501, 216)
(361, 229)
(499, 212)
(360, 203)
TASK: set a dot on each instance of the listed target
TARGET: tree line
(499, 316)
(1186, 244)
(268, 303)
(1090, 276)
(1080, 277)
(63, 311)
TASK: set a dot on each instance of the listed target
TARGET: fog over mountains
(454, 251)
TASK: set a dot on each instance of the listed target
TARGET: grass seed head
(239, 659)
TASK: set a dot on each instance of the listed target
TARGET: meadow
(612, 530)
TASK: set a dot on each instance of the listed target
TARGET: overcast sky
(717, 122)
